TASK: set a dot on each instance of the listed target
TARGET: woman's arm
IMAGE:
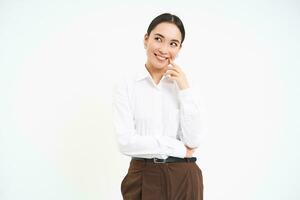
(191, 119)
(130, 142)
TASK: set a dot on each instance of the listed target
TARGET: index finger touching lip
(171, 61)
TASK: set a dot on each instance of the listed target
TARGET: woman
(157, 121)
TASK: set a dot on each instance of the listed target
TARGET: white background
(60, 59)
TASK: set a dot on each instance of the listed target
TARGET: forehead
(168, 30)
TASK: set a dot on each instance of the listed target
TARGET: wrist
(183, 87)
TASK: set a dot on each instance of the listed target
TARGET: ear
(146, 37)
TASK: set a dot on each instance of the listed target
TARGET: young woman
(157, 121)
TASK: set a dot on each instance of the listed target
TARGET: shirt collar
(143, 73)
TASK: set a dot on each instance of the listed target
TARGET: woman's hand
(176, 73)
(189, 152)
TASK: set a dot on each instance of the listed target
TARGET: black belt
(170, 159)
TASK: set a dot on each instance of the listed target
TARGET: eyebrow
(174, 40)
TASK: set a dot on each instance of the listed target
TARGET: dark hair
(167, 17)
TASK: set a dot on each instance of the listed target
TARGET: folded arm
(132, 143)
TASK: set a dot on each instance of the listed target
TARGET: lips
(160, 57)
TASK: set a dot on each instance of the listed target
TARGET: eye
(173, 44)
(158, 39)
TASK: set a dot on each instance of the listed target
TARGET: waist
(170, 159)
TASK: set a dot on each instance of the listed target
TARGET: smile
(161, 58)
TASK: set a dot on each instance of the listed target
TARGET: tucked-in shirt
(155, 120)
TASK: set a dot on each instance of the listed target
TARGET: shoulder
(124, 82)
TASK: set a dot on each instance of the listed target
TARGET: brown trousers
(162, 181)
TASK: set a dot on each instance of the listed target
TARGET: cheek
(150, 50)
(153, 46)
(173, 54)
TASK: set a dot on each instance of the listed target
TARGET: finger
(172, 72)
(175, 66)
(169, 60)
(174, 69)
(173, 63)
(169, 63)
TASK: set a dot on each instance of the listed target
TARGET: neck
(155, 73)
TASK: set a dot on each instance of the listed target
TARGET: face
(163, 43)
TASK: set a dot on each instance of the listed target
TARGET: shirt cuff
(173, 147)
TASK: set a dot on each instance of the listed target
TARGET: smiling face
(163, 43)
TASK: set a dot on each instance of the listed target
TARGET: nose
(163, 49)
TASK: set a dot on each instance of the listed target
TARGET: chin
(158, 65)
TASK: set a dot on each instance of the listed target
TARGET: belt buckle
(158, 160)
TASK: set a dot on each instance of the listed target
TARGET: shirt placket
(158, 109)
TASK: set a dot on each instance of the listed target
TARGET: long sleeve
(192, 127)
(132, 143)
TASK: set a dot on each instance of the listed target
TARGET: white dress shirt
(155, 120)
